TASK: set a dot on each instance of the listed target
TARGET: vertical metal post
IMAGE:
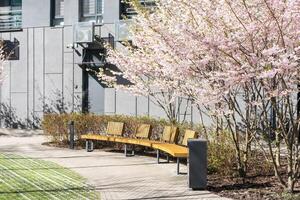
(168, 158)
(85, 91)
(132, 151)
(125, 150)
(92, 145)
(87, 145)
(178, 163)
(71, 134)
(157, 156)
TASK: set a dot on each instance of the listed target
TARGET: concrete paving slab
(115, 176)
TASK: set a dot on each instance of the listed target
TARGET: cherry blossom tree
(146, 75)
(239, 59)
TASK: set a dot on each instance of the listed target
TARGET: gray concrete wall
(71, 12)
(111, 11)
(44, 75)
(36, 13)
(96, 97)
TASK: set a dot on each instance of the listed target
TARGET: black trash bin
(197, 164)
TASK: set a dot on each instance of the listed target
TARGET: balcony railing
(10, 19)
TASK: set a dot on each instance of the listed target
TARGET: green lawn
(27, 178)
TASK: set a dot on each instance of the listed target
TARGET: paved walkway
(113, 175)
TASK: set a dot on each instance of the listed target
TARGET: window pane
(10, 14)
(59, 8)
(127, 11)
(91, 11)
(16, 3)
(4, 3)
(89, 7)
(92, 7)
(99, 6)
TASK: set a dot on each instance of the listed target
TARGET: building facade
(47, 68)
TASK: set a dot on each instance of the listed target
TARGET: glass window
(92, 10)
(58, 10)
(4, 3)
(10, 14)
(127, 11)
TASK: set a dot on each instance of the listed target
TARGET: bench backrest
(143, 131)
(115, 128)
(188, 134)
(170, 134)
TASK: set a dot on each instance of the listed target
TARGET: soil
(263, 186)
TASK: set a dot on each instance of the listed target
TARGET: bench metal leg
(133, 150)
(125, 151)
(158, 157)
(89, 145)
(178, 163)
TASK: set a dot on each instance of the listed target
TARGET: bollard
(197, 163)
(71, 134)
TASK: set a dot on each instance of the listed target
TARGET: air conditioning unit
(84, 32)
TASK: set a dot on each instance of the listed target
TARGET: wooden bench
(167, 144)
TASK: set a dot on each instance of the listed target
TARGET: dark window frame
(56, 20)
(14, 15)
(96, 16)
(125, 7)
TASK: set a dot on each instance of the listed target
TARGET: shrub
(56, 125)
(221, 152)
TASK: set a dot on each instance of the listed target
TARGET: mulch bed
(263, 186)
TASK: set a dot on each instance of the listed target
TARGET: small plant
(10, 119)
(290, 196)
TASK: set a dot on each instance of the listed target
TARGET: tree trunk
(277, 151)
(290, 171)
(246, 152)
(240, 164)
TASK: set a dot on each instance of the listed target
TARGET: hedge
(55, 126)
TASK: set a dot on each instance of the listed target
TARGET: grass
(35, 179)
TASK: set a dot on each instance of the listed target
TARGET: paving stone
(115, 176)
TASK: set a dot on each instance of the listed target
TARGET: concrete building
(46, 70)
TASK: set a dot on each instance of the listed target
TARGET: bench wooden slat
(170, 134)
(169, 137)
(115, 128)
(143, 131)
(95, 137)
(189, 134)
(172, 149)
(141, 142)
